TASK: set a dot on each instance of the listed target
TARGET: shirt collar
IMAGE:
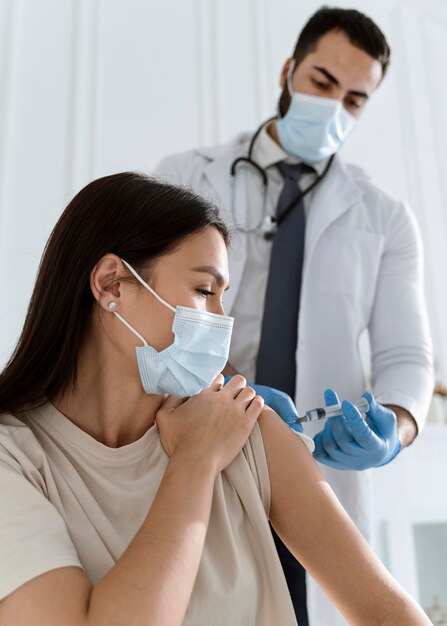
(266, 152)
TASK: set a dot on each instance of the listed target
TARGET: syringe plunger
(329, 411)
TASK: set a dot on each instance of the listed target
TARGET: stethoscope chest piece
(269, 227)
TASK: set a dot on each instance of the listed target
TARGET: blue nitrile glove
(348, 442)
(279, 401)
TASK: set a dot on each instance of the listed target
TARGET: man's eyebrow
(329, 76)
(209, 269)
(359, 94)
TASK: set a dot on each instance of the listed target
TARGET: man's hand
(349, 442)
(280, 402)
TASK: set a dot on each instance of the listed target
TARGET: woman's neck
(109, 402)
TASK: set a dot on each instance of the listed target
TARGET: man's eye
(322, 86)
(353, 104)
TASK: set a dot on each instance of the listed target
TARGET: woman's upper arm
(60, 596)
(41, 580)
(312, 523)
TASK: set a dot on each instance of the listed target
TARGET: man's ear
(284, 72)
(104, 281)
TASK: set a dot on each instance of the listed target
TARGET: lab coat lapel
(336, 194)
(230, 195)
(218, 176)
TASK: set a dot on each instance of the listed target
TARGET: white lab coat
(363, 270)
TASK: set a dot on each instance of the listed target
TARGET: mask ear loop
(111, 307)
(144, 283)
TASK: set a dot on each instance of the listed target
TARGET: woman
(122, 505)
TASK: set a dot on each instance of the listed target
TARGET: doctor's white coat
(362, 271)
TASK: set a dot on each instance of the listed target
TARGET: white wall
(408, 493)
(91, 87)
(431, 551)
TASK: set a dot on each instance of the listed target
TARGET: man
(310, 275)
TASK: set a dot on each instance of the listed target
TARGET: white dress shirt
(248, 307)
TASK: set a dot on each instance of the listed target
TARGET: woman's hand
(212, 426)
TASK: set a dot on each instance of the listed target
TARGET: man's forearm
(406, 425)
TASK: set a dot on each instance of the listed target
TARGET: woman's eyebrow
(209, 269)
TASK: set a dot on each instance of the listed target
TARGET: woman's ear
(104, 281)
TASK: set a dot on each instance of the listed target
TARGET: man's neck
(273, 132)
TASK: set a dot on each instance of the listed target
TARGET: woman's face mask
(199, 352)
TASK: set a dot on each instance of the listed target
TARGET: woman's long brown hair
(128, 214)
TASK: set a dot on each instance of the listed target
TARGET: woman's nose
(218, 309)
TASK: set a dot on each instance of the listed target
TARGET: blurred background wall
(91, 87)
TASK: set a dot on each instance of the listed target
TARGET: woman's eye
(205, 293)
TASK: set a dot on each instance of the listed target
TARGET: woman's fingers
(217, 383)
(170, 403)
(255, 407)
(246, 395)
(235, 385)
(214, 424)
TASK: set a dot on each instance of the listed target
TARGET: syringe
(328, 411)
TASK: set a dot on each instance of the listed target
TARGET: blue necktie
(276, 361)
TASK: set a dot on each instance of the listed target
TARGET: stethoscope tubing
(248, 160)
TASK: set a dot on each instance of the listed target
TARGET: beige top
(68, 500)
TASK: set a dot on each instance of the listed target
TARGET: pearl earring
(112, 306)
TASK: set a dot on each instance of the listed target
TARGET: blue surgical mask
(199, 352)
(313, 128)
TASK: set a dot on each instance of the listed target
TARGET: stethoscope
(268, 224)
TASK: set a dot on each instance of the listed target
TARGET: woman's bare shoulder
(278, 436)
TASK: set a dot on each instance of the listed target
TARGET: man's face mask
(199, 352)
(314, 128)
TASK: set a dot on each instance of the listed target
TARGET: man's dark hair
(359, 28)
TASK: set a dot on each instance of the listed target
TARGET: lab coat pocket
(348, 263)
